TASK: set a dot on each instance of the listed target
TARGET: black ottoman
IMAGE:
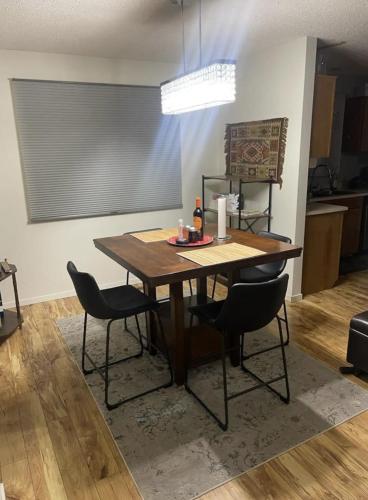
(357, 353)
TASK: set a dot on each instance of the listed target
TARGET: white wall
(41, 251)
(276, 83)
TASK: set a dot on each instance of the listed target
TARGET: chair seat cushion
(207, 313)
(360, 322)
(255, 275)
(127, 300)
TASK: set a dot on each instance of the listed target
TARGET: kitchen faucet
(329, 175)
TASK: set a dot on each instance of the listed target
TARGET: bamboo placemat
(156, 235)
(220, 254)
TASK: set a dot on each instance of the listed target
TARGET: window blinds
(95, 149)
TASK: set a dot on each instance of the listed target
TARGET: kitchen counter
(352, 194)
(323, 208)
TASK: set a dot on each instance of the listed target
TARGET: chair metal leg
(287, 399)
(140, 336)
(111, 406)
(223, 425)
(85, 371)
(214, 286)
(127, 283)
(267, 383)
(190, 287)
(101, 368)
(107, 363)
(283, 341)
(286, 321)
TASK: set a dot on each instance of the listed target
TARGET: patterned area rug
(174, 450)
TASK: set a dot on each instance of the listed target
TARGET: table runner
(220, 254)
(156, 235)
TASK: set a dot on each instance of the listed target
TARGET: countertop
(323, 208)
(353, 194)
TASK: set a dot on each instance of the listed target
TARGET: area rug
(174, 450)
(256, 150)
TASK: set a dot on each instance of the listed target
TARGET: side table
(11, 320)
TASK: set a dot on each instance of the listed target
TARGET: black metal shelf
(243, 180)
(259, 215)
(249, 219)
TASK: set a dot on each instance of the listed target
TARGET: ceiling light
(209, 86)
(205, 87)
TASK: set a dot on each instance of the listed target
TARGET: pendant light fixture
(205, 87)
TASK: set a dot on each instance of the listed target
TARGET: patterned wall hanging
(256, 150)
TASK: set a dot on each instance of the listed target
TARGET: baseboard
(71, 293)
(61, 295)
(295, 298)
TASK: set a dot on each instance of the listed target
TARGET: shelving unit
(248, 218)
(12, 319)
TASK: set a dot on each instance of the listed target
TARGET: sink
(341, 191)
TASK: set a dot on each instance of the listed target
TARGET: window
(95, 149)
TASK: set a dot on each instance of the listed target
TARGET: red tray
(207, 239)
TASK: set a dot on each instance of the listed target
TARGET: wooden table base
(203, 340)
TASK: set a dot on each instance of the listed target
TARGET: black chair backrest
(88, 293)
(251, 306)
(273, 269)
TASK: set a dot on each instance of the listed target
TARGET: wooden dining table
(157, 263)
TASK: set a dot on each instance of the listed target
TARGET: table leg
(232, 278)
(202, 286)
(150, 320)
(178, 332)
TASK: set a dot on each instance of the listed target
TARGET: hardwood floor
(54, 443)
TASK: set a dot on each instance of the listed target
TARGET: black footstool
(357, 353)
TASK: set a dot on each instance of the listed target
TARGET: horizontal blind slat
(90, 149)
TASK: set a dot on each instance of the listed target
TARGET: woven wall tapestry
(256, 150)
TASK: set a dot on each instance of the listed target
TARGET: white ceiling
(151, 29)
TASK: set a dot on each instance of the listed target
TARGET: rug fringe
(282, 148)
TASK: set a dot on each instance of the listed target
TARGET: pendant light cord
(200, 33)
(183, 35)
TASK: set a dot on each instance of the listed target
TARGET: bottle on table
(198, 218)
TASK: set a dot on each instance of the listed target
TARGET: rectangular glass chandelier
(206, 87)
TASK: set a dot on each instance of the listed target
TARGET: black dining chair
(266, 272)
(114, 304)
(248, 307)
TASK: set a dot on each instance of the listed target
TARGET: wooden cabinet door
(321, 254)
(355, 133)
(350, 241)
(322, 119)
(351, 231)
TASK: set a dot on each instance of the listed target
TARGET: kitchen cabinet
(322, 243)
(355, 133)
(322, 118)
(351, 229)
